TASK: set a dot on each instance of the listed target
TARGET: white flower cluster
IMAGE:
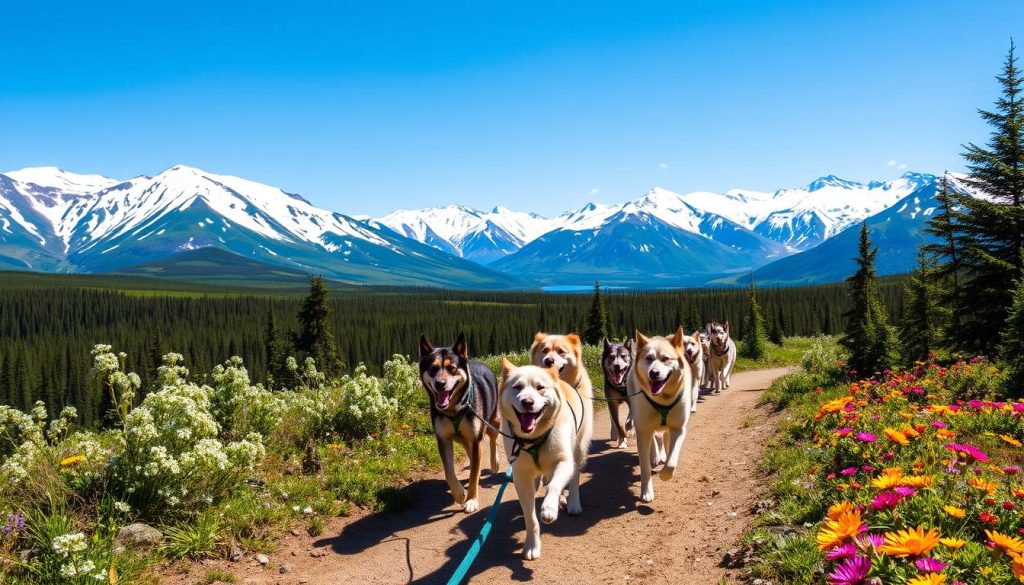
(240, 407)
(365, 409)
(68, 545)
(21, 439)
(71, 547)
(401, 383)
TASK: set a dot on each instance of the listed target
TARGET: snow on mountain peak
(61, 180)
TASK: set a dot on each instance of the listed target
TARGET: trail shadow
(608, 497)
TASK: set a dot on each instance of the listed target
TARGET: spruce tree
(316, 336)
(922, 317)
(755, 343)
(946, 254)
(869, 339)
(775, 333)
(1012, 343)
(597, 319)
(275, 353)
(993, 228)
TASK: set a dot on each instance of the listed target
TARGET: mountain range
(52, 220)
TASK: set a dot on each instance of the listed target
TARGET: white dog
(659, 385)
(552, 424)
(693, 350)
(723, 356)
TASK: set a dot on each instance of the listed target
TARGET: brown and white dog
(662, 380)
(723, 356)
(693, 351)
(616, 360)
(552, 424)
(455, 385)
(564, 352)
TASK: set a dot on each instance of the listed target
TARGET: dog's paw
(573, 507)
(548, 514)
(531, 549)
(471, 505)
(666, 473)
(622, 444)
(647, 496)
(459, 495)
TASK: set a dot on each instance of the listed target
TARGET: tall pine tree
(946, 254)
(275, 352)
(597, 319)
(316, 336)
(923, 316)
(755, 343)
(869, 339)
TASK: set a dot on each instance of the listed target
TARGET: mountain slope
(150, 218)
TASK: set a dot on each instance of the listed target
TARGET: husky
(705, 347)
(662, 381)
(564, 352)
(616, 360)
(547, 426)
(723, 356)
(693, 351)
(461, 391)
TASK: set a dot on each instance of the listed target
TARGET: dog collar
(534, 446)
(725, 350)
(663, 409)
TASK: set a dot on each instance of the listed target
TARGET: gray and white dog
(723, 356)
(616, 361)
(705, 345)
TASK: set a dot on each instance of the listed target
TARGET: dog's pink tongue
(657, 386)
(528, 420)
(443, 398)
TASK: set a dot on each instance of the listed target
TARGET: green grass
(789, 354)
(215, 576)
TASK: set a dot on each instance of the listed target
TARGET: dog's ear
(606, 345)
(641, 340)
(677, 339)
(574, 340)
(727, 327)
(696, 335)
(506, 368)
(629, 344)
(425, 347)
(460, 347)
(537, 340)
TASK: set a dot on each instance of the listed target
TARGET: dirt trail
(679, 538)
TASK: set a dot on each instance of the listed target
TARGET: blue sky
(542, 106)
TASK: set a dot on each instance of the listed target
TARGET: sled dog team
(544, 411)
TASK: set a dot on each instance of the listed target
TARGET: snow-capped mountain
(54, 220)
(481, 236)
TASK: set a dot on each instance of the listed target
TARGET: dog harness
(534, 446)
(462, 410)
(662, 409)
(717, 353)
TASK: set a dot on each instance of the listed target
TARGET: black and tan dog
(616, 360)
(458, 387)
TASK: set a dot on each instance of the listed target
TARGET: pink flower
(867, 468)
(852, 571)
(905, 492)
(888, 455)
(938, 424)
(849, 471)
(929, 565)
(885, 501)
(873, 540)
(844, 431)
(866, 437)
(1011, 470)
(847, 549)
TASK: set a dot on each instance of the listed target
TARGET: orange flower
(955, 512)
(1005, 542)
(73, 460)
(917, 481)
(837, 510)
(910, 542)
(910, 432)
(896, 436)
(1017, 564)
(834, 532)
(983, 485)
(928, 579)
(953, 543)
(1010, 440)
(890, 478)
(836, 405)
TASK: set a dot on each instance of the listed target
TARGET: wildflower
(870, 540)
(988, 518)
(896, 436)
(1005, 542)
(928, 579)
(848, 471)
(71, 461)
(953, 543)
(852, 571)
(967, 452)
(15, 524)
(983, 485)
(929, 565)
(885, 501)
(1011, 470)
(844, 431)
(837, 510)
(1009, 506)
(1010, 440)
(866, 437)
(955, 512)
(69, 544)
(910, 542)
(847, 549)
(837, 531)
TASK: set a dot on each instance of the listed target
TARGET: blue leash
(474, 549)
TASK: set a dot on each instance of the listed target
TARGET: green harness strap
(664, 410)
(534, 448)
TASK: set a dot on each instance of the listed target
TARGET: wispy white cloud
(902, 167)
(662, 165)
(896, 165)
(594, 191)
(891, 164)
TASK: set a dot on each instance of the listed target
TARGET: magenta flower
(844, 431)
(888, 455)
(848, 471)
(938, 424)
(866, 437)
(885, 501)
(930, 565)
(868, 539)
(971, 453)
(852, 571)
(904, 491)
(1018, 407)
(867, 468)
(847, 549)
(1011, 470)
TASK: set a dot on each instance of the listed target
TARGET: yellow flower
(955, 512)
(73, 460)
(890, 478)
(910, 432)
(833, 406)
(928, 579)
(834, 532)
(1010, 440)
(917, 481)
(896, 436)
(910, 542)
(837, 510)
(983, 485)
(1005, 542)
(953, 543)
(1017, 564)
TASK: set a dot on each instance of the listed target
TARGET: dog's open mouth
(618, 377)
(528, 420)
(658, 385)
(442, 398)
